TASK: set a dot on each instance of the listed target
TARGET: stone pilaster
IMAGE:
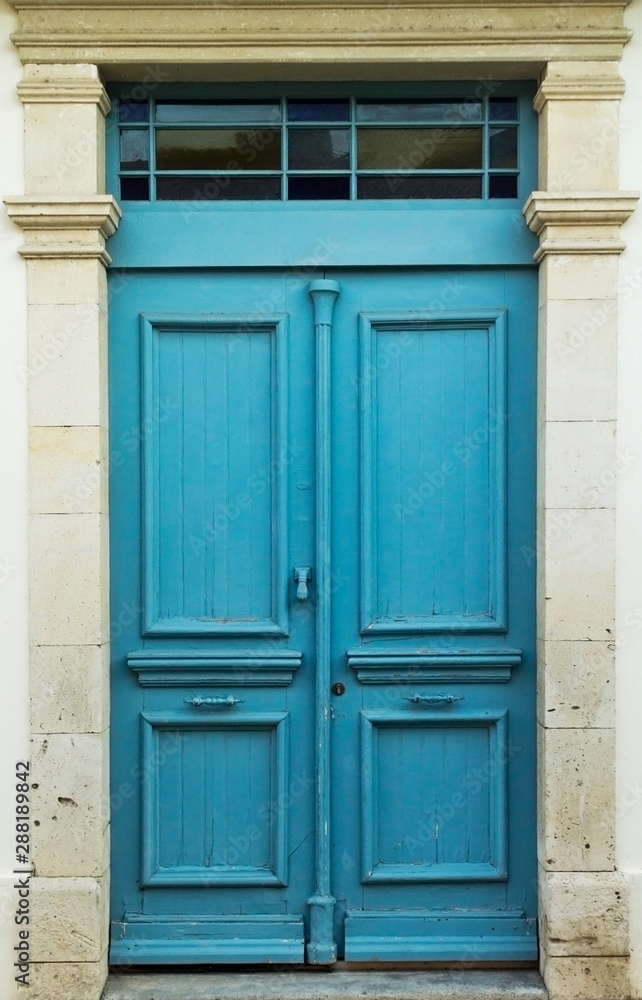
(577, 216)
(66, 219)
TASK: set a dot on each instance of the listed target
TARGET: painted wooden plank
(458, 936)
(195, 939)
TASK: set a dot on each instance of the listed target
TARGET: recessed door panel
(208, 817)
(434, 797)
(433, 458)
(214, 521)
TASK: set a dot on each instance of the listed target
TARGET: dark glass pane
(134, 188)
(503, 109)
(503, 147)
(424, 148)
(224, 188)
(225, 112)
(502, 186)
(218, 149)
(420, 110)
(433, 186)
(319, 111)
(134, 149)
(319, 148)
(319, 188)
(133, 111)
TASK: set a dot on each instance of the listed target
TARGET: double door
(322, 506)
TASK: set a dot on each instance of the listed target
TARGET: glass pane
(503, 109)
(319, 148)
(319, 111)
(134, 188)
(503, 147)
(134, 149)
(419, 187)
(419, 111)
(412, 148)
(223, 188)
(218, 111)
(319, 188)
(133, 111)
(502, 186)
(218, 149)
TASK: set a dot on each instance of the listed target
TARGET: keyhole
(338, 688)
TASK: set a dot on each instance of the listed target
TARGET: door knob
(302, 574)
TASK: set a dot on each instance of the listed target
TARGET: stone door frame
(68, 51)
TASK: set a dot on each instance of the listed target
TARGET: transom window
(334, 149)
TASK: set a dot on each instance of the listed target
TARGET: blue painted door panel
(399, 461)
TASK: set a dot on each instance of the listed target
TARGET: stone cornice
(109, 32)
(579, 222)
(57, 226)
(64, 92)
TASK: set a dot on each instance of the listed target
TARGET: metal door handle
(302, 574)
(434, 699)
(227, 701)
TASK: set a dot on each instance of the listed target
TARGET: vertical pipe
(322, 949)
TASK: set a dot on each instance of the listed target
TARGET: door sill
(458, 984)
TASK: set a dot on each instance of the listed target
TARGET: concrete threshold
(429, 985)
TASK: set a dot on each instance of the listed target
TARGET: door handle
(227, 701)
(302, 574)
(434, 699)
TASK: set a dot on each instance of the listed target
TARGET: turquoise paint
(253, 811)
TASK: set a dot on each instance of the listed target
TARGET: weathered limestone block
(578, 598)
(577, 373)
(69, 599)
(586, 978)
(584, 913)
(68, 980)
(577, 688)
(581, 464)
(68, 471)
(70, 689)
(71, 820)
(576, 793)
(64, 365)
(68, 922)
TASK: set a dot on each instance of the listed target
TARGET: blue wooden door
(416, 732)
(322, 512)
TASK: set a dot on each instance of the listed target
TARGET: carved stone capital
(586, 89)
(56, 226)
(64, 92)
(579, 223)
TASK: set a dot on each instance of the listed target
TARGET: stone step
(428, 985)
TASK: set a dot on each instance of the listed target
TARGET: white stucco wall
(629, 504)
(14, 700)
